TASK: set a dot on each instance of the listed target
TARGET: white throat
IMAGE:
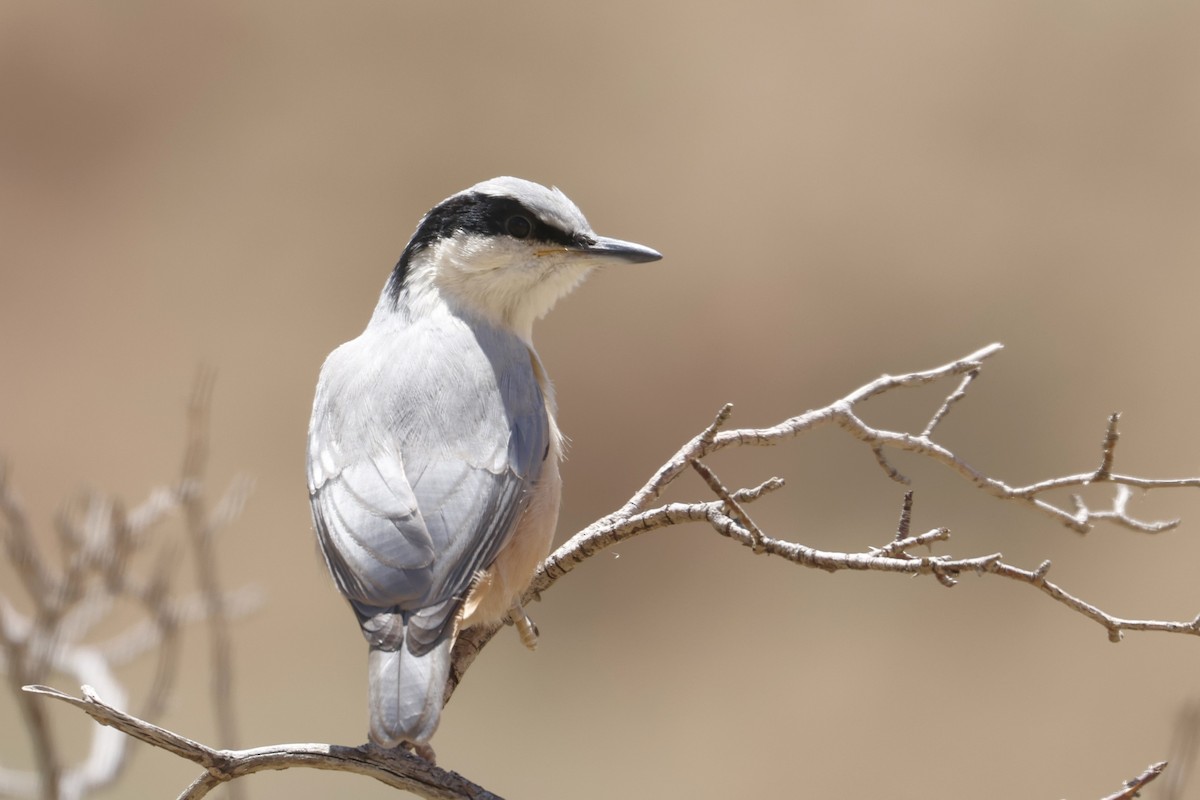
(510, 283)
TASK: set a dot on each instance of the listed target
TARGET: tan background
(840, 189)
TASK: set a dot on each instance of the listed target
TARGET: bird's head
(505, 249)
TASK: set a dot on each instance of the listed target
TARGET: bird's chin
(556, 281)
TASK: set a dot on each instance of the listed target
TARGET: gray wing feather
(420, 469)
(370, 528)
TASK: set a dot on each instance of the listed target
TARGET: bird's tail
(406, 690)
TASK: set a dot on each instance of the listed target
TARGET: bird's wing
(417, 495)
(370, 527)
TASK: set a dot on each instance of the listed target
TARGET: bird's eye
(518, 227)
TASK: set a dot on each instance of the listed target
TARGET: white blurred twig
(201, 527)
(94, 573)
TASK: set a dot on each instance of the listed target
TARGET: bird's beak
(620, 251)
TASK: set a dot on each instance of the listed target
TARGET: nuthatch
(433, 451)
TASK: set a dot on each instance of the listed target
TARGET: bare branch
(395, 767)
(890, 558)
(635, 518)
(1135, 785)
(842, 413)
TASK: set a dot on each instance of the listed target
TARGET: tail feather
(406, 692)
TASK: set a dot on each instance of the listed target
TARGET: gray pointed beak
(620, 251)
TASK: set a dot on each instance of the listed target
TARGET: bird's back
(406, 448)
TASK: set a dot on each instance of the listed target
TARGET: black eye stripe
(482, 214)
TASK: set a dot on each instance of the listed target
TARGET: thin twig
(888, 469)
(200, 532)
(905, 523)
(1135, 785)
(18, 542)
(735, 508)
(951, 399)
(898, 548)
(698, 447)
(1109, 448)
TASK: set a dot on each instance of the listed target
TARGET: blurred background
(839, 190)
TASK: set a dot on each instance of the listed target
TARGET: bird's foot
(425, 751)
(525, 626)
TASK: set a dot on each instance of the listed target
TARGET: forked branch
(729, 519)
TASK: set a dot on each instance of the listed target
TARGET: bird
(433, 450)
